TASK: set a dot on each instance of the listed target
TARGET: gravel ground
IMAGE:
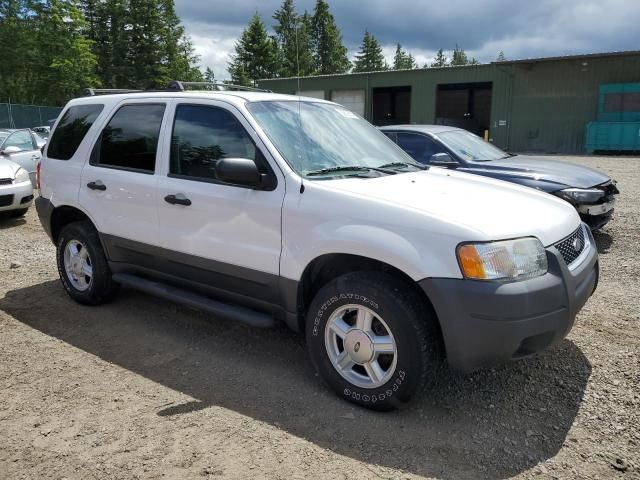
(142, 388)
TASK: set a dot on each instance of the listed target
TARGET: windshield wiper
(346, 168)
(404, 164)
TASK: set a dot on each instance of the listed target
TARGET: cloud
(520, 29)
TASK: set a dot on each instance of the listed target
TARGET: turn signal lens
(471, 263)
(509, 259)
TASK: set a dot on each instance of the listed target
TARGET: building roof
(572, 57)
(481, 65)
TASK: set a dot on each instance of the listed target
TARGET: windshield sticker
(346, 113)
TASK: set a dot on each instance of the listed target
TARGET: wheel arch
(325, 268)
(64, 215)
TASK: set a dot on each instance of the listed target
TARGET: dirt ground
(142, 388)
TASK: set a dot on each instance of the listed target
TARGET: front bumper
(486, 323)
(16, 196)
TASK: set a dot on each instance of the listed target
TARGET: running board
(235, 313)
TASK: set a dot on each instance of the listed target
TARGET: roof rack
(91, 92)
(178, 86)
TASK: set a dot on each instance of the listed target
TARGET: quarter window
(71, 129)
(201, 136)
(130, 139)
(22, 139)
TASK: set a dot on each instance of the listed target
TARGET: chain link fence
(26, 116)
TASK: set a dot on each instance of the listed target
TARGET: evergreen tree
(369, 58)
(330, 54)
(47, 59)
(209, 76)
(474, 61)
(255, 54)
(294, 43)
(403, 60)
(501, 57)
(459, 57)
(440, 60)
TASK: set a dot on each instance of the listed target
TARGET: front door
(225, 236)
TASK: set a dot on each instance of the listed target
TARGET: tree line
(311, 44)
(53, 49)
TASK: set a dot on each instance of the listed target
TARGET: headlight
(581, 195)
(22, 175)
(509, 259)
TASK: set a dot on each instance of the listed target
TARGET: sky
(520, 28)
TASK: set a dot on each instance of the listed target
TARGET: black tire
(19, 213)
(410, 321)
(101, 288)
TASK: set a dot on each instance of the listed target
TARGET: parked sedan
(591, 192)
(22, 147)
(16, 191)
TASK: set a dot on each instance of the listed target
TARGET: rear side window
(73, 126)
(130, 139)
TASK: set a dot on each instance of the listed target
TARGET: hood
(548, 175)
(8, 168)
(488, 209)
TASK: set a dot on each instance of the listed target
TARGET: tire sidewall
(77, 231)
(406, 378)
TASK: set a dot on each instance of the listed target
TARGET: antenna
(298, 91)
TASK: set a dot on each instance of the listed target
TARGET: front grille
(6, 200)
(6, 181)
(571, 247)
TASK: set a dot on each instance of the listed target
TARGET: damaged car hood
(541, 173)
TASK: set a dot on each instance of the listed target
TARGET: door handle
(177, 199)
(97, 185)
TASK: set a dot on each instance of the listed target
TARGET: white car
(16, 191)
(259, 207)
(22, 147)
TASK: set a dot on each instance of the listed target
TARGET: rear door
(118, 187)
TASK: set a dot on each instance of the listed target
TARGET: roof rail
(91, 92)
(179, 86)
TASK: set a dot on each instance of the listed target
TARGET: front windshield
(3, 136)
(471, 147)
(316, 136)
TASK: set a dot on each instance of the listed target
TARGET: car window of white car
(204, 134)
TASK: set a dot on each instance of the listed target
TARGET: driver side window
(419, 147)
(201, 136)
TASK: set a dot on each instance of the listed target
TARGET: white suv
(259, 207)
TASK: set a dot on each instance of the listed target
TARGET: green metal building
(532, 105)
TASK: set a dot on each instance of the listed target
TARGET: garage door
(311, 93)
(352, 99)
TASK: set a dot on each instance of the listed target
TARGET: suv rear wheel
(82, 265)
(369, 338)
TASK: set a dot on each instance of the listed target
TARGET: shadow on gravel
(492, 424)
(6, 221)
(603, 241)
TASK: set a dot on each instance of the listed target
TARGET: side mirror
(238, 171)
(442, 160)
(10, 150)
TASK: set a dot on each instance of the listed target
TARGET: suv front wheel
(370, 339)
(82, 265)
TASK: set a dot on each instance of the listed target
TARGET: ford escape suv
(260, 207)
